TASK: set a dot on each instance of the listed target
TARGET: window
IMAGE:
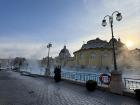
(93, 56)
(81, 56)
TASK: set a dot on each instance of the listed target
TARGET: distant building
(6, 63)
(63, 57)
(97, 53)
(135, 54)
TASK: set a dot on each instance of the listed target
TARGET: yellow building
(97, 53)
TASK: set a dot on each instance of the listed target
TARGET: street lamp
(104, 23)
(49, 46)
(48, 63)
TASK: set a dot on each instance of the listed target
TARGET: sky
(27, 26)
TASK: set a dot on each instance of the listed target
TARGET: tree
(18, 62)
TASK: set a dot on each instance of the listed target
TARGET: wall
(94, 57)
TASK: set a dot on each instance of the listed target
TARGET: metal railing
(80, 77)
(131, 84)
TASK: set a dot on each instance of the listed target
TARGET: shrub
(91, 85)
(137, 93)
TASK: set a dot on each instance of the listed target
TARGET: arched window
(93, 55)
(81, 56)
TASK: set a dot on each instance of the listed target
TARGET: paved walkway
(22, 90)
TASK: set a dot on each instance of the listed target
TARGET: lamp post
(104, 23)
(116, 84)
(48, 62)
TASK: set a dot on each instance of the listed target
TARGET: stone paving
(23, 90)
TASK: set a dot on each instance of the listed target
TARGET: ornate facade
(97, 53)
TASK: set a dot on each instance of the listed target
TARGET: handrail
(132, 78)
(81, 77)
(131, 83)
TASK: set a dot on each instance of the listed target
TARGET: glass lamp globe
(119, 17)
(104, 23)
(50, 45)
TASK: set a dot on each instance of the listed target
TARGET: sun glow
(129, 44)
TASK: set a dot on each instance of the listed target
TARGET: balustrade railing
(79, 77)
(131, 83)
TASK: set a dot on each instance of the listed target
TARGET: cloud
(30, 49)
(124, 29)
(13, 49)
(86, 27)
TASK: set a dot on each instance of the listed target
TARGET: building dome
(113, 39)
(64, 53)
(117, 43)
(96, 43)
